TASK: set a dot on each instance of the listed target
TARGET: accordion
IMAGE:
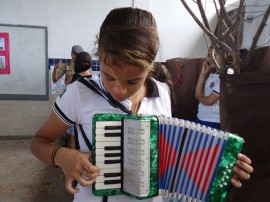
(146, 156)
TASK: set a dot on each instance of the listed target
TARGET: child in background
(207, 92)
(127, 46)
(61, 69)
(82, 68)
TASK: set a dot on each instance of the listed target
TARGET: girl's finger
(69, 186)
(235, 182)
(240, 173)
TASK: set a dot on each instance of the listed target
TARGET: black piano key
(112, 134)
(112, 127)
(112, 174)
(112, 161)
(112, 154)
(112, 148)
(112, 181)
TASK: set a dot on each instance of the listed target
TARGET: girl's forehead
(121, 67)
(123, 70)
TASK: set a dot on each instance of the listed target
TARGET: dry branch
(227, 28)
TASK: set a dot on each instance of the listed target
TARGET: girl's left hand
(242, 170)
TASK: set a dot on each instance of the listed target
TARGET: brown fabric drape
(245, 110)
(185, 73)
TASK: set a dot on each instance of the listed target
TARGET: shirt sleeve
(68, 105)
(216, 88)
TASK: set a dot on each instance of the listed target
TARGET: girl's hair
(129, 35)
(83, 62)
(162, 74)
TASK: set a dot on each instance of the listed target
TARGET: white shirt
(210, 113)
(79, 103)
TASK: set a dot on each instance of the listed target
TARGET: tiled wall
(53, 61)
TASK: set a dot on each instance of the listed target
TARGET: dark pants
(210, 124)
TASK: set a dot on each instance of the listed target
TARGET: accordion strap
(94, 86)
(77, 145)
(88, 143)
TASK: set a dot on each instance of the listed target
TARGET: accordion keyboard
(108, 158)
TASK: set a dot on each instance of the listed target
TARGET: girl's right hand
(76, 166)
(60, 64)
(207, 66)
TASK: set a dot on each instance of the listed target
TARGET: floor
(24, 178)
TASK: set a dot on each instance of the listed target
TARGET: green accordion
(145, 156)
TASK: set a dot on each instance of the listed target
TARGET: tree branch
(204, 18)
(212, 37)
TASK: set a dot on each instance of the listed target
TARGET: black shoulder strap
(88, 143)
(77, 145)
(94, 86)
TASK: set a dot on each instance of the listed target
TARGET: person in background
(83, 63)
(207, 91)
(67, 69)
(127, 46)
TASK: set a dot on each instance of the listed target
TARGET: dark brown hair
(162, 74)
(128, 35)
(83, 62)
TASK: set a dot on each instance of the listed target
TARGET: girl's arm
(74, 163)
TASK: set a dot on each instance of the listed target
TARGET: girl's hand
(206, 66)
(242, 170)
(60, 65)
(76, 166)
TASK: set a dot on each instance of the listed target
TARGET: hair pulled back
(83, 62)
(128, 35)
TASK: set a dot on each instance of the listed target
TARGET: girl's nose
(119, 88)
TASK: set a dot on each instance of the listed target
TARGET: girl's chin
(120, 99)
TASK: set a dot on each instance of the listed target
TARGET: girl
(127, 46)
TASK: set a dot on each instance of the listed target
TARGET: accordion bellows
(145, 156)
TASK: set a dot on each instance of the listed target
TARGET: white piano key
(102, 158)
(102, 145)
(102, 124)
(100, 186)
(102, 152)
(101, 165)
(102, 131)
(102, 138)
(100, 179)
(109, 170)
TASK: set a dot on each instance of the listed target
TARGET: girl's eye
(133, 82)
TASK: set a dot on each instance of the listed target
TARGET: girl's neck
(137, 98)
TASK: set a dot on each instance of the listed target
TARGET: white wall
(78, 21)
(180, 35)
(72, 22)
(256, 12)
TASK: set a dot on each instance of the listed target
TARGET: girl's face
(124, 81)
